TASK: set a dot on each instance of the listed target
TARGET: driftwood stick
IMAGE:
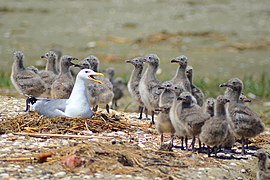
(62, 136)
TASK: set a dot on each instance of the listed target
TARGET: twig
(18, 159)
(62, 136)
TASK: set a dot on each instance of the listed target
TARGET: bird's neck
(50, 66)
(232, 95)
(190, 79)
(180, 73)
(64, 70)
(79, 92)
(262, 164)
(136, 74)
(18, 65)
(220, 110)
(151, 72)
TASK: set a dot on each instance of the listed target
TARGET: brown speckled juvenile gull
(195, 91)
(180, 78)
(134, 80)
(26, 80)
(50, 73)
(163, 122)
(245, 122)
(64, 82)
(215, 129)
(188, 115)
(104, 90)
(149, 85)
(58, 53)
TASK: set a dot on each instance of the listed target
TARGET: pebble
(60, 174)
(4, 175)
(243, 171)
(232, 164)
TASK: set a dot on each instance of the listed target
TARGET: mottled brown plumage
(190, 116)
(134, 80)
(215, 129)
(105, 90)
(163, 122)
(26, 80)
(149, 84)
(64, 82)
(50, 73)
(195, 91)
(245, 122)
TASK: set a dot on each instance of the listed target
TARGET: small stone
(60, 174)
(4, 175)
(87, 177)
(243, 171)
(239, 178)
(232, 164)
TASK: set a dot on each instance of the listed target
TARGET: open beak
(92, 77)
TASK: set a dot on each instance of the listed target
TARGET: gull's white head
(89, 74)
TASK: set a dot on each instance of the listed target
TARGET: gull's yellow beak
(92, 76)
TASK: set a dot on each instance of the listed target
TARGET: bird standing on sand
(64, 82)
(77, 105)
(149, 85)
(134, 80)
(245, 122)
(163, 122)
(189, 116)
(215, 129)
(26, 81)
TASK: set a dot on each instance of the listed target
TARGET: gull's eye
(69, 59)
(86, 71)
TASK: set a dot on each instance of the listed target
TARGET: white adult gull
(77, 105)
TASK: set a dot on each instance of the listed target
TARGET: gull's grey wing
(50, 107)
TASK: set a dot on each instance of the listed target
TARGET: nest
(35, 123)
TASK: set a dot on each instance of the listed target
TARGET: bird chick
(134, 80)
(25, 80)
(215, 129)
(245, 122)
(62, 86)
(195, 91)
(149, 85)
